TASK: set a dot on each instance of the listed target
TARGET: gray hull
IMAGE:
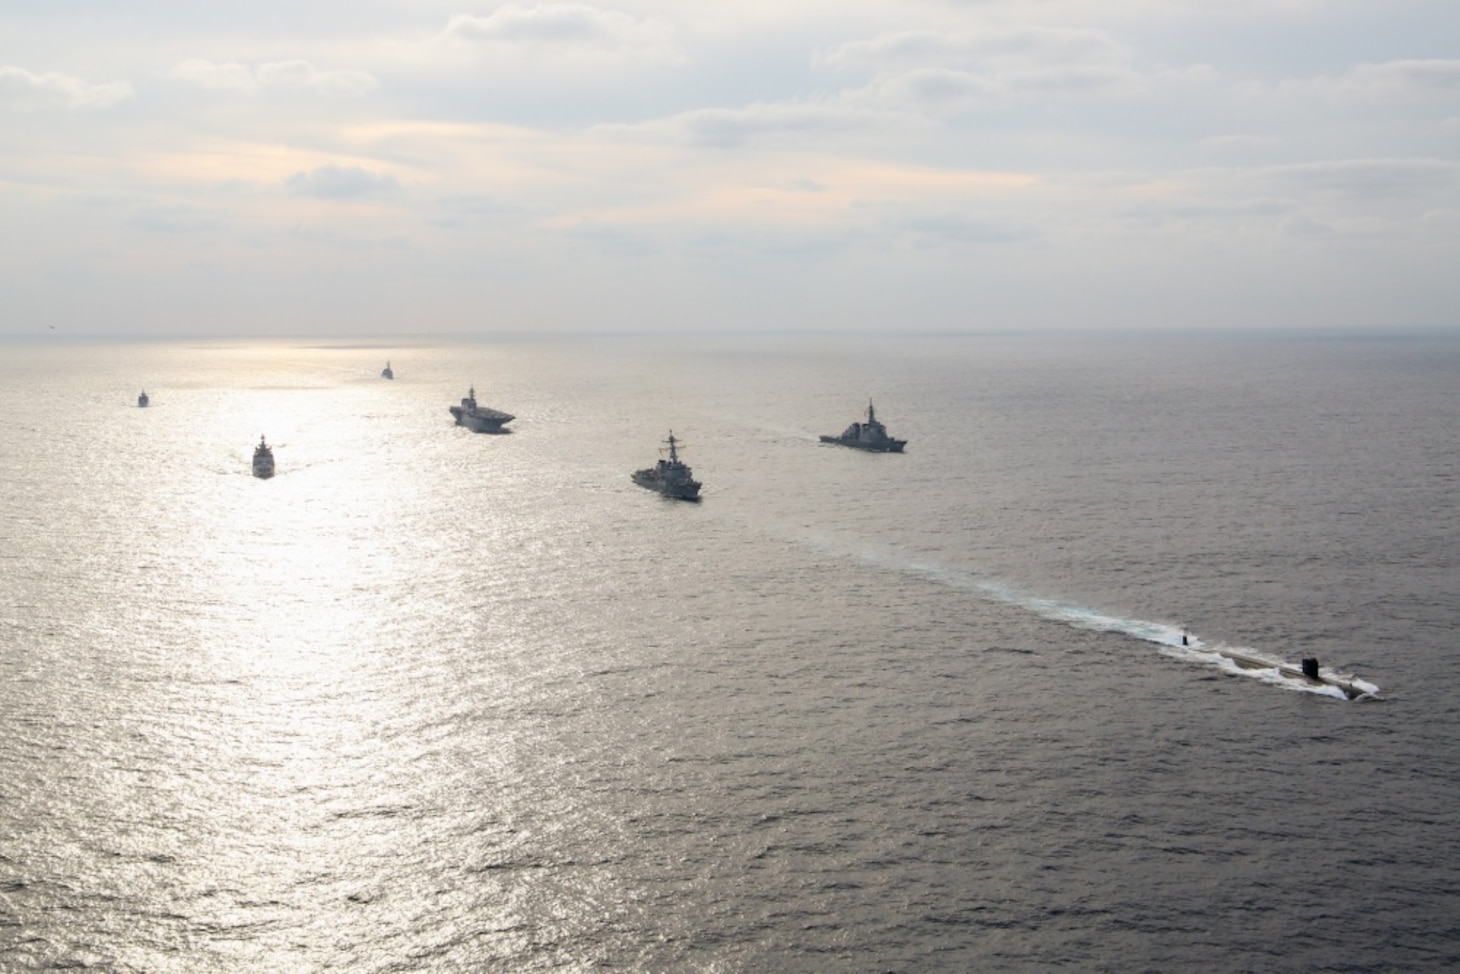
(1349, 688)
(882, 446)
(482, 420)
(679, 490)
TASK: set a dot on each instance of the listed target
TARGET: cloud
(615, 239)
(1237, 141)
(173, 218)
(1402, 78)
(931, 90)
(1305, 225)
(730, 127)
(939, 90)
(995, 51)
(1367, 178)
(303, 75)
(566, 30)
(331, 182)
(294, 75)
(933, 73)
(22, 90)
(928, 231)
(229, 74)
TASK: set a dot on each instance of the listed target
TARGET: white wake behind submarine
(1307, 672)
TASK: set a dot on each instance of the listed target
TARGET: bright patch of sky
(391, 167)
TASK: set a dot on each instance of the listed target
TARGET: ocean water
(437, 701)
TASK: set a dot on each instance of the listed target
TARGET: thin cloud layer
(1369, 179)
(991, 50)
(1430, 77)
(565, 30)
(295, 75)
(734, 127)
(1059, 160)
(940, 72)
(52, 91)
(332, 182)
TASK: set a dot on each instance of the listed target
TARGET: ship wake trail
(1168, 637)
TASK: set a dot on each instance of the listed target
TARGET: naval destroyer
(671, 477)
(263, 460)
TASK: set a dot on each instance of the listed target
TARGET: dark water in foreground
(435, 701)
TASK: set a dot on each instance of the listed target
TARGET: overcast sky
(412, 166)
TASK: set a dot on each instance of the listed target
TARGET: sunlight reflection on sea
(434, 700)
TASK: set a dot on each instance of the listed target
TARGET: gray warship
(480, 419)
(263, 460)
(870, 435)
(671, 477)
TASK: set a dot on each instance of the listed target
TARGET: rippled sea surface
(437, 701)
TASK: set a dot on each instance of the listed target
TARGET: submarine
(1308, 672)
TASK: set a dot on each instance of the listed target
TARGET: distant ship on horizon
(871, 436)
(386, 372)
(263, 460)
(142, 400)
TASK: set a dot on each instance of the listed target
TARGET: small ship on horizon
(263, 460)
(870, 435)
